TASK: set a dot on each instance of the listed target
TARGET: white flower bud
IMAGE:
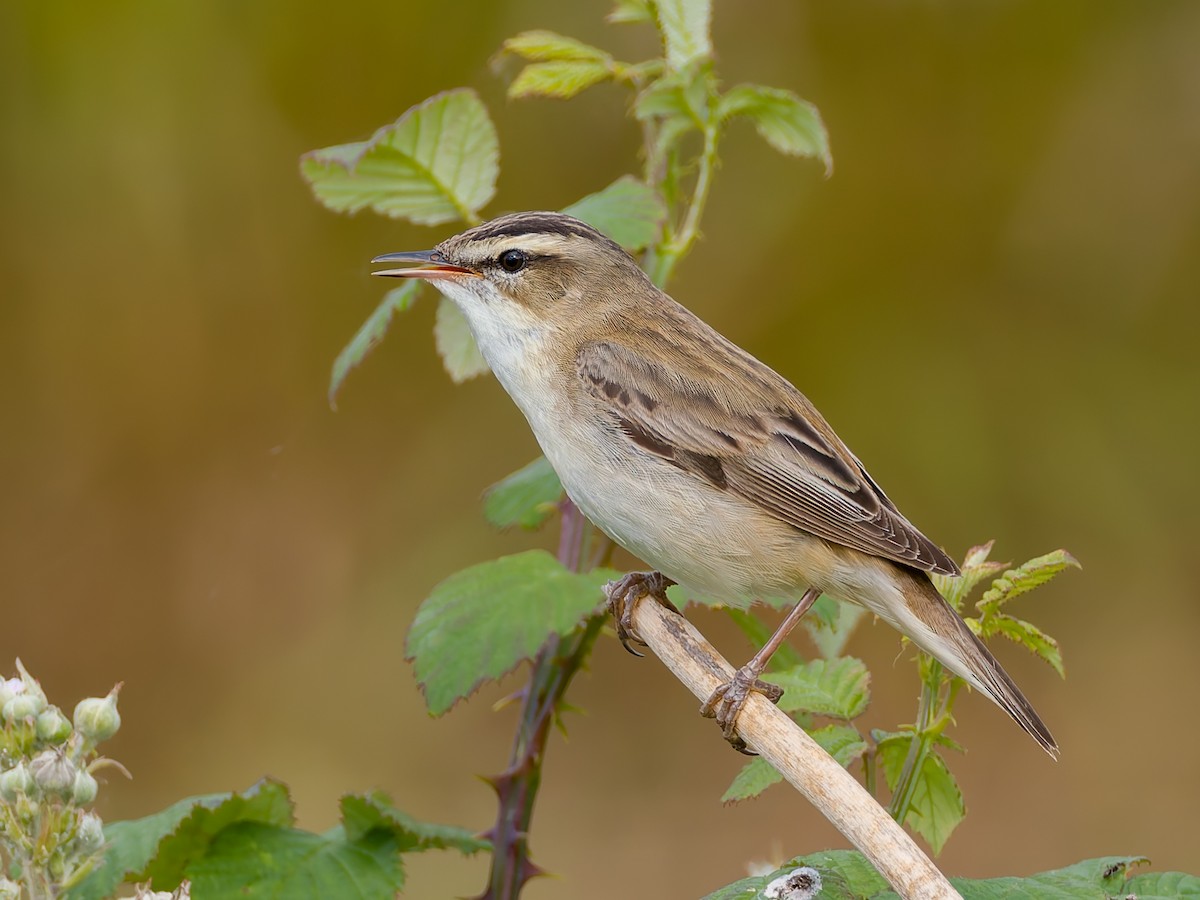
(90, 836)
(15, 781)
(96, 718)
(24, 705)
(84, 790)
(9, 890)
(53, 773)
(9, 688)
(52, 726)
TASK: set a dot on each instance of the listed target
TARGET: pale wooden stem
(782, 743)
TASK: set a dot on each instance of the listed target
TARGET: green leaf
(848, 875)
(937, 804)
(1156, 885)
(975, 568)
(789, 124)
(1098, 878)
(252, 860)
(525, 498)
(1025, 578)
(370, 334)
(831, 631)
(562, 79)
(836, 687)
(677, 95)
(685, 26)
(481, 622)
(628, 211)
(1029, 635)
(754, 778)
(892, 748)
(437, 163)
(548, 46)
(845, 875)
(363, 813)
(456, 345)
(160, 846)
(631, 12)
(841, 742)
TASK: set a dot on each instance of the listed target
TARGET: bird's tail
(946, 637)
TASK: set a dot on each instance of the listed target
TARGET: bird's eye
(512, 260)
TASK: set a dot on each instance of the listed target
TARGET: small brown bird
(689, 452)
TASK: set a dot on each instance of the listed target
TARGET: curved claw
(624, 594)
(725, 703)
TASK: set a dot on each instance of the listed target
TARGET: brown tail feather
(955, 646)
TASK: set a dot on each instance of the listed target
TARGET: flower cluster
(49, 840)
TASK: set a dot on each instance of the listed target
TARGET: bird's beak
(430, 265)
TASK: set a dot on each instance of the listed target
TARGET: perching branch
(782, 743)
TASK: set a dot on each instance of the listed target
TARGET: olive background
(993, 299)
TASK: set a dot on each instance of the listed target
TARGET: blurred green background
(993, 300)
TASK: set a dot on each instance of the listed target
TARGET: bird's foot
(725, 703)
(624, 594)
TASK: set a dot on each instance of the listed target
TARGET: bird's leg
(623, 595)
(726, 702)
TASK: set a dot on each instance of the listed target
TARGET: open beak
(429, 264)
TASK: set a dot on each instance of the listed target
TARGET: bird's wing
(758, 438)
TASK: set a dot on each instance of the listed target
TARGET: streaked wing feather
(772, 448)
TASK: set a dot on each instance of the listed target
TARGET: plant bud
(24, 705)
(84, 790)
(96, 718)
(53, 773)
(90, 835)
(32, 685)
(52, 726)
(15, 781)
(9, 688)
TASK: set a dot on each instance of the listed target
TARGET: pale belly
(711, 542)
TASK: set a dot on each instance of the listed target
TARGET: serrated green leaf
(367, 337)
(548, 46)
(834, 884)
(937, 805)
(685, 26)
(363, 813)
(437, 163)
(677, 95)
(843, 618)
(562, 80)
(754, 778)
(631, 12)
(159, 847)
(628, 211)
(525, 498)
(256, 861)
(1030, 636)
(848, 875)
(892, 748)
(789, 124)
(836, 687)
(1025, 578)
(480, 623)
(841, 742)
(456, 345)
(267, 803)
(1162, 885)
(1101, 879)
